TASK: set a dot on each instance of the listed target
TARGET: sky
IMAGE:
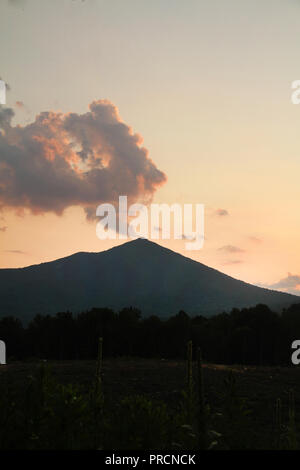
(166, 101)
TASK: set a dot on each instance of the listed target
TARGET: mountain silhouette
(138, 273)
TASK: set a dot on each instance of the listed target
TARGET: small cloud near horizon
(233, 261)
(289, 284)
(290, 281)
(231, 249)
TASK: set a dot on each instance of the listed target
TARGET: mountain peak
(138, 273)
(141, 243)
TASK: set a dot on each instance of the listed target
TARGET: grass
(130, 403)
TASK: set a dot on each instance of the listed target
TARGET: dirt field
(165, 380)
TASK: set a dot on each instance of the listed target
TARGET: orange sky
(206, 85)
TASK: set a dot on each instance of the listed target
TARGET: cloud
(18, 252)
(291, 281)
(221, 212)
(3, 229)
(255, 239)
(231, 249)
(63, 160)
(233, 261)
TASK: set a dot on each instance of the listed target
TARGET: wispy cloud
(231, 249)
(221, 212)
(16, 252)
(233, 261)
(254, 239)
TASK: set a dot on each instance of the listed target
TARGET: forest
(253, 336)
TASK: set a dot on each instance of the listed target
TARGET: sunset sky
(185, 101)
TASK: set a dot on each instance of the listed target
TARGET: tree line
(254, 336)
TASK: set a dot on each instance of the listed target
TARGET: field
(247, 407)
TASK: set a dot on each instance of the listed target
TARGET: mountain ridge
(140, 273)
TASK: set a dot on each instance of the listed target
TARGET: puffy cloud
(231, 249)
(62, 160)
(3, 229)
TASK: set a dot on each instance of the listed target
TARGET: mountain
(138, 273)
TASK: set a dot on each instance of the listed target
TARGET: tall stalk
(98, 398)
(99, 365)
(189, 379)
(202, 436)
